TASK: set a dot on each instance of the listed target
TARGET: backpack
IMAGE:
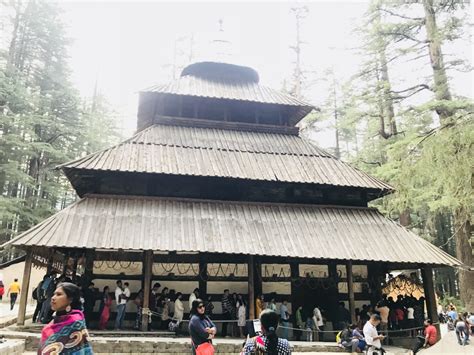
(35, 294)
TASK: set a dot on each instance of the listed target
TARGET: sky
(127, 46)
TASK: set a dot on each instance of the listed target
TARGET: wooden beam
(251, 283)
(239, 126)
(25, 284)
(202, 279)
(148, 271)
(350, 290)
(430, 298)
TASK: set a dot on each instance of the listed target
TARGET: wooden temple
(217, 190)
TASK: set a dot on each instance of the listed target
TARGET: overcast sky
(128, 46)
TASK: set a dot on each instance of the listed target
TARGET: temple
(217, 190)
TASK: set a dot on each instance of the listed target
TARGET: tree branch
(421, 19)
(404, 36)
(424, 86)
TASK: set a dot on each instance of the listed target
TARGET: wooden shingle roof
(185, 225)
(210, 152)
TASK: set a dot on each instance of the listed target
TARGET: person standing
(67, 333)
(201, 328)
(48, 288)
(372, 338)
(209, 306)
(194, 295)
(89, 303)
(299, 323)
(318, 322)
(241, 314)
(154, 295)
(343, 317)
(272, 305)
(462, 331)
(384, 311)
(226, 303)
(259, 305)
(105, 308)
(121, 302)
(138, 300)
(13, 291)
(39, 296)
(285, 318)
(179, 308)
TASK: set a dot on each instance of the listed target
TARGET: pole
(350, 290)
(251, 276)
(430, 298)
(148, 268)
(25, 284)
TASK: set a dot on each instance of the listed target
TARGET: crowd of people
(64, 302)
(461, 323)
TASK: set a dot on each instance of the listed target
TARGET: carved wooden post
(251, 277)
(25, 284)
(148, 270)
(350, 291)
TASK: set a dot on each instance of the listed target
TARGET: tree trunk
(463, 232)
(441, 87)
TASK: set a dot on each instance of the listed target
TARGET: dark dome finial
(221, 71)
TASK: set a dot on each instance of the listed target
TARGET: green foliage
(43, 121)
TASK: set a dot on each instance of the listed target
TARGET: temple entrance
(312, 292)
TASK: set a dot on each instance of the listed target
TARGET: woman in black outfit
(201, 328)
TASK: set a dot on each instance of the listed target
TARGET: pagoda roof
(273, 229)
(224, 153)
(229, 82)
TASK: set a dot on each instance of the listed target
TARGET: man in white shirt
(318, 322)
(121, 298)
(371, 335)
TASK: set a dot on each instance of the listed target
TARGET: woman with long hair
(268, 343)
(105, 313)
(67, 332)
(201, 329)
(241, 314)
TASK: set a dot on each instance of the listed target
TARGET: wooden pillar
(350, 291)
(251, 277)
(333, 291)
(49, 267)
(257, 277)
(89, 268)
(147, 277)
(65, 262)
(430, 299)
(74, 268)
(25, 284)
(202, 280)
(294, 274)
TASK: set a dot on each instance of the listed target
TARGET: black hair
(269, 321)
(195, 306)
(429, 321)
(91, 284)
(226, 290)
(126, 284)
(178, 294)
(16, 280)
(196, 290)
(118, 281)
(376, 317)
(73, 292)
(105, 287)
(156, 285)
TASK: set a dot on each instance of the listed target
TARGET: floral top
(257, 346)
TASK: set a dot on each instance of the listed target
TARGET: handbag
(205, 349)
